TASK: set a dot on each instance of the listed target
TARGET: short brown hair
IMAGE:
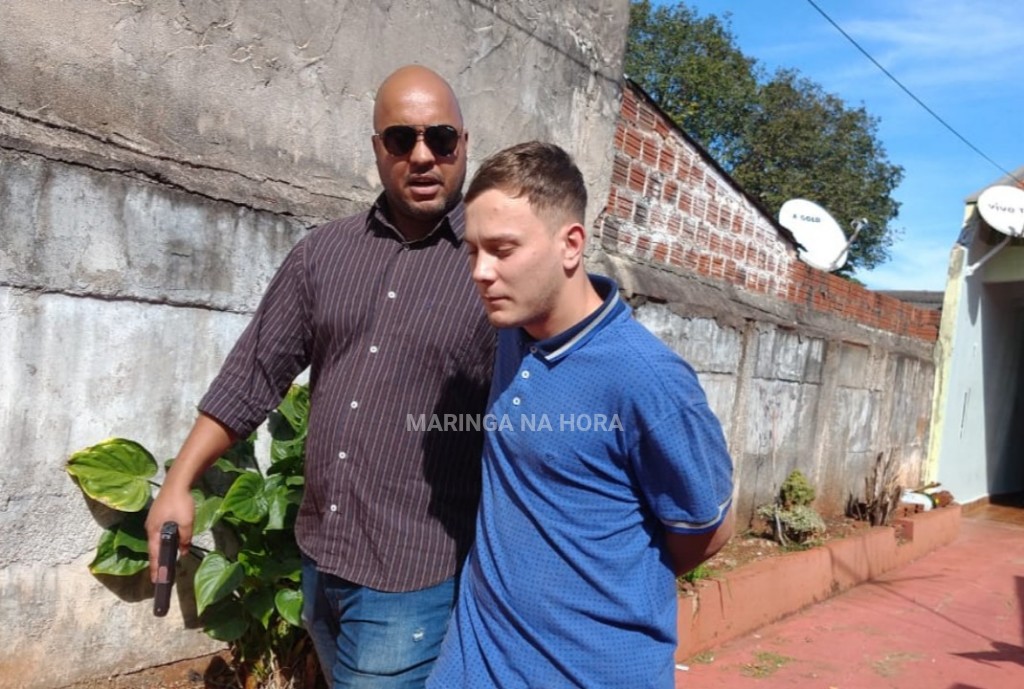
(542, 172)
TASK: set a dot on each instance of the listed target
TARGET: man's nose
(421, 153)
(483, 268)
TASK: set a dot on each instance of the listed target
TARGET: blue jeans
(368, 639)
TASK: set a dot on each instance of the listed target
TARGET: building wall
(979, 397)
(807, 370)
(157, 161)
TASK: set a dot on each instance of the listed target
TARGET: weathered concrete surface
(794, 390)
(77, 370)
(268, 104)
(157, 161)
(73, 230)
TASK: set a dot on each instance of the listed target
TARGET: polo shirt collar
(554, 348)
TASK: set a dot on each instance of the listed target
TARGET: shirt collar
(556, 347)
(452, 226)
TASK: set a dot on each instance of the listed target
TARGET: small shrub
(791, 518)
(798, 525)
(796, 491)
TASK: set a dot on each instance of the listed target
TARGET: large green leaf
(295, 408)
(226, 620)
(117, 561)
(115, 472)
(216, 578)
(131, 534)
(279, 499)
(246, 499)
(207, 511)
(260, 605)
(289, 604)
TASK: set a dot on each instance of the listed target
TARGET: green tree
(779, 136)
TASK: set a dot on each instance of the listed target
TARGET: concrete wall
(157, 160)
(979, 397)
(805, 369)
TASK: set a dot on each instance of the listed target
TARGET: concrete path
(953, 619)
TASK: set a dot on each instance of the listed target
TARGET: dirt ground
(206, 672)
(754, 545)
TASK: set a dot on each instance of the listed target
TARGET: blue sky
(963, 58)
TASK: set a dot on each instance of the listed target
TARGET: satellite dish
(824, 244)
(1002, 207)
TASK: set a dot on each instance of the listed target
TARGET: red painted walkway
(953, 619)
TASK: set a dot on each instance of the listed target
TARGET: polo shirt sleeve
(683, 468)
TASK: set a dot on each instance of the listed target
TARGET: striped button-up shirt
(399, 348)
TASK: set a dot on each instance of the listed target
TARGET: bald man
(382, 310)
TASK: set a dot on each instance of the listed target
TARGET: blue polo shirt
(599, 440)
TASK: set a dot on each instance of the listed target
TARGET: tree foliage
(780, 136)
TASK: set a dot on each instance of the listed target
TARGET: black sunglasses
(441, 139)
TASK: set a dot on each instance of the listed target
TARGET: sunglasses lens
(442, 139)
(399, 140)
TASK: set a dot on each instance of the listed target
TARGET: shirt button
(392, 295)
(526, 374)
(373, 349)
(342, 455)
(533, 350)
(334, 508)
(354, 404)
(515, 401)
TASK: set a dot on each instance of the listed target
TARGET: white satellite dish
(1002, 207)
(824, 244)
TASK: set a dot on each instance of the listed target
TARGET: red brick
(649, 152)
(637, 179)
(667, 161)
(620, 171)
(628, 111)
(677, 255)
(633, 144)
(685, 201)
(660, 252)
(704, 264)
(670, 192)
(646, 119)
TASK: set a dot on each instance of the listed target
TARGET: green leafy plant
(796, 491)
(701, 571)
(791, 518)
(247, 590)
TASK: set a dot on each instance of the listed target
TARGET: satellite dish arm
(857, 226)
(969, 270)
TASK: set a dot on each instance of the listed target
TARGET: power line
(909, 92)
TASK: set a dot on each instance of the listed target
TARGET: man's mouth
(424, 186)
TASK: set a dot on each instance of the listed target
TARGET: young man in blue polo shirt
(605, 472)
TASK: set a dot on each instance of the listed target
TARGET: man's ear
(574, 242)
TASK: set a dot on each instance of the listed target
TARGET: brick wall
(671, 207)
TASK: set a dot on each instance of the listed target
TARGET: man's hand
(208, 440)
(171, 505)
